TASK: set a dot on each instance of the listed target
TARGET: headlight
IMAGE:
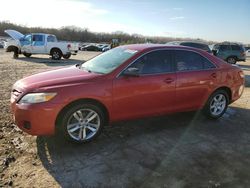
(32, 98)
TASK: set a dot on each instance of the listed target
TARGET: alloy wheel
(83, 124)
(218, 104)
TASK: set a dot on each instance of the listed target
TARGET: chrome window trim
(175, 71)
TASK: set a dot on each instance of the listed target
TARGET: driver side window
(26, 40)
(154, 63)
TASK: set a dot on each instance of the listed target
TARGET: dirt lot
(182, 150)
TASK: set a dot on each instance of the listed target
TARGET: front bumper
(36, 119)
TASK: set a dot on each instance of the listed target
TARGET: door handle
(214, 75)
(169, 80)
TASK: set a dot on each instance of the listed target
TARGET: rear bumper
(237, 92)
(36, 119)
(241, 59)
(73, 52)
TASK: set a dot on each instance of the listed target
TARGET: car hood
(55, 78)
(14, 34)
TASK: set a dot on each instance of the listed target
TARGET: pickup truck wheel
(27, 54)
(231, 60)
(56, 54)
(67, 56)
(15, 55)
(82, 123)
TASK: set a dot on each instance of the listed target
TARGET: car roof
(145, 47)
(41, 34)
(229, 43)
(195, 42)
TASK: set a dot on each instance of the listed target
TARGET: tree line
(73, 33)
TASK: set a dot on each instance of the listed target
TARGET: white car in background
(106, 48)
(248, 53)
(39, 43)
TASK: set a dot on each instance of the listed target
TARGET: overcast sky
(219, 20)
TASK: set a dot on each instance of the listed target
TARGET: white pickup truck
(39, 43)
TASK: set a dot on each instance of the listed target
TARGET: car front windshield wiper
(85, 69)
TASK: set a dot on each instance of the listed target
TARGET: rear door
(152, 92)
(224, 51)
(196, 78)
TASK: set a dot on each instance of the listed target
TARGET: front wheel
(27, 54)
(67, 56)
(217, 104)
(82, 123)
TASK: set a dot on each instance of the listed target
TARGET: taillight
(243, 54)
(69, 46)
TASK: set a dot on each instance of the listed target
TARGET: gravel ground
(181, 150)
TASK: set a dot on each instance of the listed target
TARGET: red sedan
(124, 83)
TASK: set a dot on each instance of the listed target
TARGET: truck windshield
(108, 61)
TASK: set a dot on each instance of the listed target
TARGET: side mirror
(215, 52)
(132, 71)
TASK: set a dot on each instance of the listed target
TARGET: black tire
(27, 54)
(209, 105)
(56, 54)
(15, 54)
(232, 60)
(67, 56)
(67, 117)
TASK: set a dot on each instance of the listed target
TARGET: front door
(151, 92)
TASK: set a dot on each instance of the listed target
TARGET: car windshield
(108, 61)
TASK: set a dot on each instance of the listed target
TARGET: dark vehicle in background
(193, 44)
(91, 47)
(230, 52)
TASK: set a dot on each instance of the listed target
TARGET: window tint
(51, 38)
(224, 47)
(154, 62)
(26, 40)
(38, 40)
(236, 47)
(191, 61)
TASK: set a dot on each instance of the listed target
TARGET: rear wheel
(56, 54)
(217, 104)
(67, 56)
(231, 60)
(82, 123)
(27, 54)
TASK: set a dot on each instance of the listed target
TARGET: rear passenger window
(235, 47)
(154, 62)
(191, 61)
(225, 47)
